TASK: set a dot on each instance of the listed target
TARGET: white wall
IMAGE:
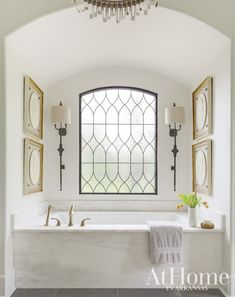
(68, 91)
(16, 202)
(220, 70)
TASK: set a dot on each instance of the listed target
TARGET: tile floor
(111, 293)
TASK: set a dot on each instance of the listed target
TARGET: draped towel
(165, 242)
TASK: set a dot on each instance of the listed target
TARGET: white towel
(165, 242)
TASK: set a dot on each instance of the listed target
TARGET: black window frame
(80, 142)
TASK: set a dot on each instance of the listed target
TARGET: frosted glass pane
(124, 189)
(112, 132)
(149, 116)
(137, 96)
(124, 95)
(149, 98)
(137, 115)
(87, 132)
(87, 154)
(99, 188)
(149, 188)
(124, 155)
(87, 115)
(87, 171)
(124, 116)
(149, 155)
(124, 171)
(137, 171)
(149, 171)
(137, 155)
(150, 133)
(99, 116)
(87, 98)
(137, 132)
(87, 188)
(112, 116)
(112, 95)
(112, 188)
(112, 171)
(99, 154)
(124, 132)
(112, 154)
(137, 189)
(99, 132)
(100, 96)
(99, 171)
(118, 141)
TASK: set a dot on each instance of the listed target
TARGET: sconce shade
(61, 114)
(174, 115)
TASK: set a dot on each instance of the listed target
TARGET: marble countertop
(105, 228)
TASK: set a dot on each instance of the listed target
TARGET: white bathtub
(125, 221)
(111, 251)
(121, 218)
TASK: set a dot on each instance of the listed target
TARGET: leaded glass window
(118, 141)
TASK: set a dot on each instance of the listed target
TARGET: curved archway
(167, 42)
(184, 7)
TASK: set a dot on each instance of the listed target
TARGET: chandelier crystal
(118, 9)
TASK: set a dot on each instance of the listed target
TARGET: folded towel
(165, 242)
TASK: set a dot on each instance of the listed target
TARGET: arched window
(118, 141)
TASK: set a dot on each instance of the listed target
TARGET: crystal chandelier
(118, 9)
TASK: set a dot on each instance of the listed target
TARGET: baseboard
(2, 286)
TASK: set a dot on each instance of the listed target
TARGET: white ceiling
(167, 42)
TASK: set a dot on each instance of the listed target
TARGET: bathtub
(110, 251)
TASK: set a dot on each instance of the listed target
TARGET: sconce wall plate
(174, 118)
(61, 117)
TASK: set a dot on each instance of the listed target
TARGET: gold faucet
(48, 215)
(82, 224)
(58, 222)
(71, 215)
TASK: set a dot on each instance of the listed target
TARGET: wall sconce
(61, 117)
(174, 118)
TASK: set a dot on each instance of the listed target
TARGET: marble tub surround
(111, 251)
(126, 205)
(111, 293)
(109, 220)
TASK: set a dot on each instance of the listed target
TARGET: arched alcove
(188, 44)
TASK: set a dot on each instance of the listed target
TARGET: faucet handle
(82, 224)
(48, 215)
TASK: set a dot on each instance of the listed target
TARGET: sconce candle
(174, 118)
(61, 117)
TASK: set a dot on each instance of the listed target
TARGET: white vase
(192, 217)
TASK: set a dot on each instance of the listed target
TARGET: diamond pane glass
(118, 141)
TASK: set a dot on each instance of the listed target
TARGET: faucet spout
(71, 215)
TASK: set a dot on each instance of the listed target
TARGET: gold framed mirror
(202, 165)
(33, 166)
(33, 108)
(202, 109)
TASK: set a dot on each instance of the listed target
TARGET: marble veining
(112, 293)
(111, 251)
